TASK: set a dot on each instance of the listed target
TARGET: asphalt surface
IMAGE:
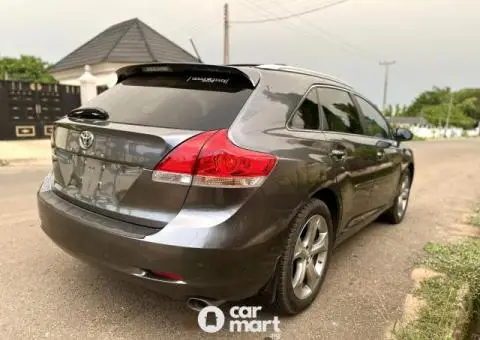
(45, 293)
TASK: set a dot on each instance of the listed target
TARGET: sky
(434, 42)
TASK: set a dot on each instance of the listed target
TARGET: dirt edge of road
(24, 162)
(464, 297)
(24, 152)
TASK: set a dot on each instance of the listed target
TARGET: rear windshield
(186, 101)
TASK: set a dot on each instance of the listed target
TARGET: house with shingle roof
(126, 43)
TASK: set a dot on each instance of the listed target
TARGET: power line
(337, 38)
(254, 4)
(205, 28)
(285, 24)
(333, 39)
(187, 25)
(290, 15)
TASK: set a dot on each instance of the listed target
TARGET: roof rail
(252, 65)
(245, 65)
(304, 71)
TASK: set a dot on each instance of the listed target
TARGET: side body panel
(304, 163)
(358, 178)
(388, 155)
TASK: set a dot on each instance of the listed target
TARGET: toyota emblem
(86, 139)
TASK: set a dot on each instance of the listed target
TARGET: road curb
(23, 161)
(464, 312)
(413, 306)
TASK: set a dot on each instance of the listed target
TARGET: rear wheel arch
(411, 167)
(332, 201)
(284, 299)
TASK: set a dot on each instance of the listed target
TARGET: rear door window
(307, 116)
(339, 111)
(184, 101)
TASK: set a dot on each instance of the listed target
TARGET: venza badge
(86, 139)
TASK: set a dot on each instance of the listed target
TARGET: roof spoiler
(125, 72)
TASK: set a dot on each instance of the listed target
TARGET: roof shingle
(130, 41)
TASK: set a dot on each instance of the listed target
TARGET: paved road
(47, 294)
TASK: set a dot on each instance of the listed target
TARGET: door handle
(338, 154)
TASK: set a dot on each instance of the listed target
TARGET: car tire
(396, 213)
(294, 262)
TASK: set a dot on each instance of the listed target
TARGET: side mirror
(402, 135)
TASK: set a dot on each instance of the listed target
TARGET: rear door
(388, 155)
(105, 151)
(350, 149)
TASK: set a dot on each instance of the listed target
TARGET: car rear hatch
(105, 151)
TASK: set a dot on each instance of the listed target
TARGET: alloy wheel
(310, 256)
(402, 198)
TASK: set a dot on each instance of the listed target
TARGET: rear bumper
(223, 274)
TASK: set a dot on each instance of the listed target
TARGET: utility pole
(226, 35)
(387, 65)
(450, 104)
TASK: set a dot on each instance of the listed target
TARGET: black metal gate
(27, 110)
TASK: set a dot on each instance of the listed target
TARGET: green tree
(436, 96)
(473, 108)
(397, 109)
(28, 68)
(388, 112)
(433, 105)
(437, 115)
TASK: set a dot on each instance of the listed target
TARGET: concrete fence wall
(433, 132)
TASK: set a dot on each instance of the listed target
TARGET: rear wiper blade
(95, 113)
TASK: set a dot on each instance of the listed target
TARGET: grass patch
(460, 263)
(475, 218)
(417, 138)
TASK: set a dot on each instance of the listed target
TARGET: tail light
(167, 276)
(211, 159)
(178, 165)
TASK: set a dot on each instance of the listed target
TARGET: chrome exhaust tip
(197, 304)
